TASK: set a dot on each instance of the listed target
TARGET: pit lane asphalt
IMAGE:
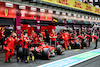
(90, 63)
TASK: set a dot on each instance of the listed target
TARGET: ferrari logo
(65, 35)
(46, 16)
(51, 34)
(6, 12)
(10, 39)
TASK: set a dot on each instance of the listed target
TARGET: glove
(9, 50)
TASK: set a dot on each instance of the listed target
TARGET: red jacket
(95, 37)
(88, 36)
(52, 35)
(37, 40)
(33, 35)
(79, 36)
(66, 36)
(43, 33)
(60, 37)
(1, 33)
(10, 42)
(23, 42)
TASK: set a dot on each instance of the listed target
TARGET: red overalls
(37, 40)
(10, 45)
(87, 36)
(34, 35)
(52, 35)
(60, 37)
(95, 37)
(43, 34)
(66, 39)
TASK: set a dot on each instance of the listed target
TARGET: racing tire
(59, 50)
(20, 51)
(46, 53)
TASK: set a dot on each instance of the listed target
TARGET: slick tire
(59, 50)
(46, 54)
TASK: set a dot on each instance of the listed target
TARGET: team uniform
(81, 40)
(1, 38)
(52, 38)
(37, 40)
(10, 43)
(43, 34)
(66, 40)
(96, 40)
(33, 36)
(88, 37)
(24, 44)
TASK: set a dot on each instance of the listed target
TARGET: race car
(45, 51)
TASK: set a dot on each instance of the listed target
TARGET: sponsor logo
(97, 10)
(77, 5)
(62, 2)
(88, 8)
(6, 12)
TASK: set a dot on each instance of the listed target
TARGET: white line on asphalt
(70, 57)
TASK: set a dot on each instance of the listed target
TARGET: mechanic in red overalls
(87, 36)
(53, 36)
(43, 34)
(66, 39)
(33, 35)
(37, 39)
(94, 37)
(81, 38)
(25, 44)
(41, 40)
(10, 42)
(2, 36)
(60, 35)
(19, 44)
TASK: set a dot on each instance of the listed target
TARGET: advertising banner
(45, 16)
(7, 12)
(76, 5)
(28, 14)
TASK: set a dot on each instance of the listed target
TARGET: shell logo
(6, 12)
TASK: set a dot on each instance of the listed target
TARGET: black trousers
(25, 54)
(82, 44)
(96, 42)
(2, 42)
(89, 41)
(52, 42)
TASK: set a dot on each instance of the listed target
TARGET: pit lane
(38, 62)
